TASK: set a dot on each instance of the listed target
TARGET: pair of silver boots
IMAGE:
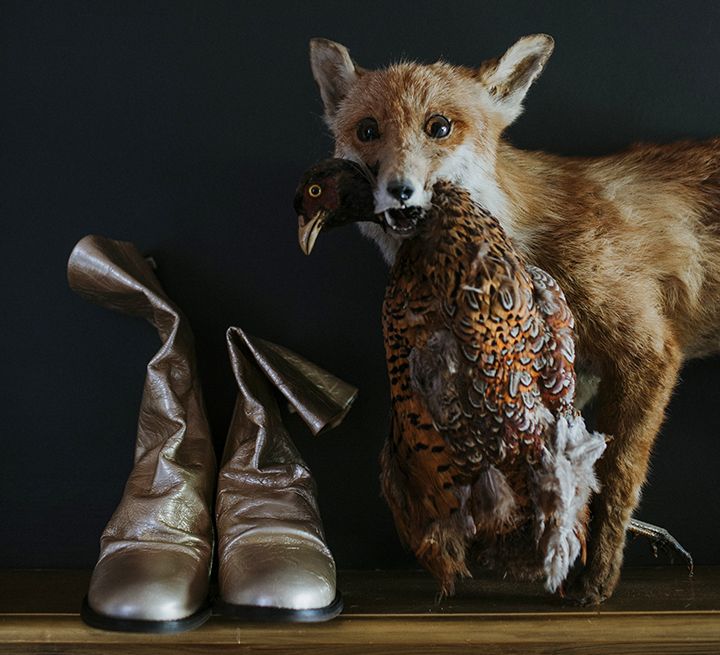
(157, 550)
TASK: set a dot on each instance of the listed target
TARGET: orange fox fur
(633, 239)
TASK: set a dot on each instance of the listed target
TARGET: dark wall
(184, 127)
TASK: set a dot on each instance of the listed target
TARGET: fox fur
(633, 239)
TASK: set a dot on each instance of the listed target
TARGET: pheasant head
(333, 192)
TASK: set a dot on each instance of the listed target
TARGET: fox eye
(368, 130)
(437, 127)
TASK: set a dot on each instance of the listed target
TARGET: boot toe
(148, 585)
(278, 570)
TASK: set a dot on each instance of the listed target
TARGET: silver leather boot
(274, 563)
(156, 551)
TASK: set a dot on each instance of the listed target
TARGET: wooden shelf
(656, 610)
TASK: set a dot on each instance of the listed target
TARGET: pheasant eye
(314, 190)
(368, 130)
(438, 127)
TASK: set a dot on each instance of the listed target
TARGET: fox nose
(401, 190)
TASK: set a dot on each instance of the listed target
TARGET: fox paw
(585, 596)
(589, 590)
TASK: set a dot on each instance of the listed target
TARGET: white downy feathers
(564, 480)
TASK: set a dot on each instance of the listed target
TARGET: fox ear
(509, 78)
(334, 71)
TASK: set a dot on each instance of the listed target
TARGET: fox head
(413, 124)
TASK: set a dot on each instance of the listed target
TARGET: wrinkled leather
(271, 546)
(156, 551)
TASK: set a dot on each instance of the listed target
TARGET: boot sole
(103, 622)
(279, 614)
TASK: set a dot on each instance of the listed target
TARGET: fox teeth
(392, 222)
(389, 220)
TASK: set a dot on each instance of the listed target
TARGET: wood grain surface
(656, 610)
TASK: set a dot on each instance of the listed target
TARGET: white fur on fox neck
(475, 171)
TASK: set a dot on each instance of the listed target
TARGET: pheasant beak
(308, 230)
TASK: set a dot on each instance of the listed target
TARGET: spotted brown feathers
(480, 358)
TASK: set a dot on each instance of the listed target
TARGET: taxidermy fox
(633, 239)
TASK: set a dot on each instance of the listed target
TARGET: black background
(184, 127)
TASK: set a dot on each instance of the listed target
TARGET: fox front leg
(633, 396)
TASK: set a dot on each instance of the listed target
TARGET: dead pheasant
(487, 457)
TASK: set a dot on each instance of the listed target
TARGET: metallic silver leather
(271, 546)
(156, 551)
